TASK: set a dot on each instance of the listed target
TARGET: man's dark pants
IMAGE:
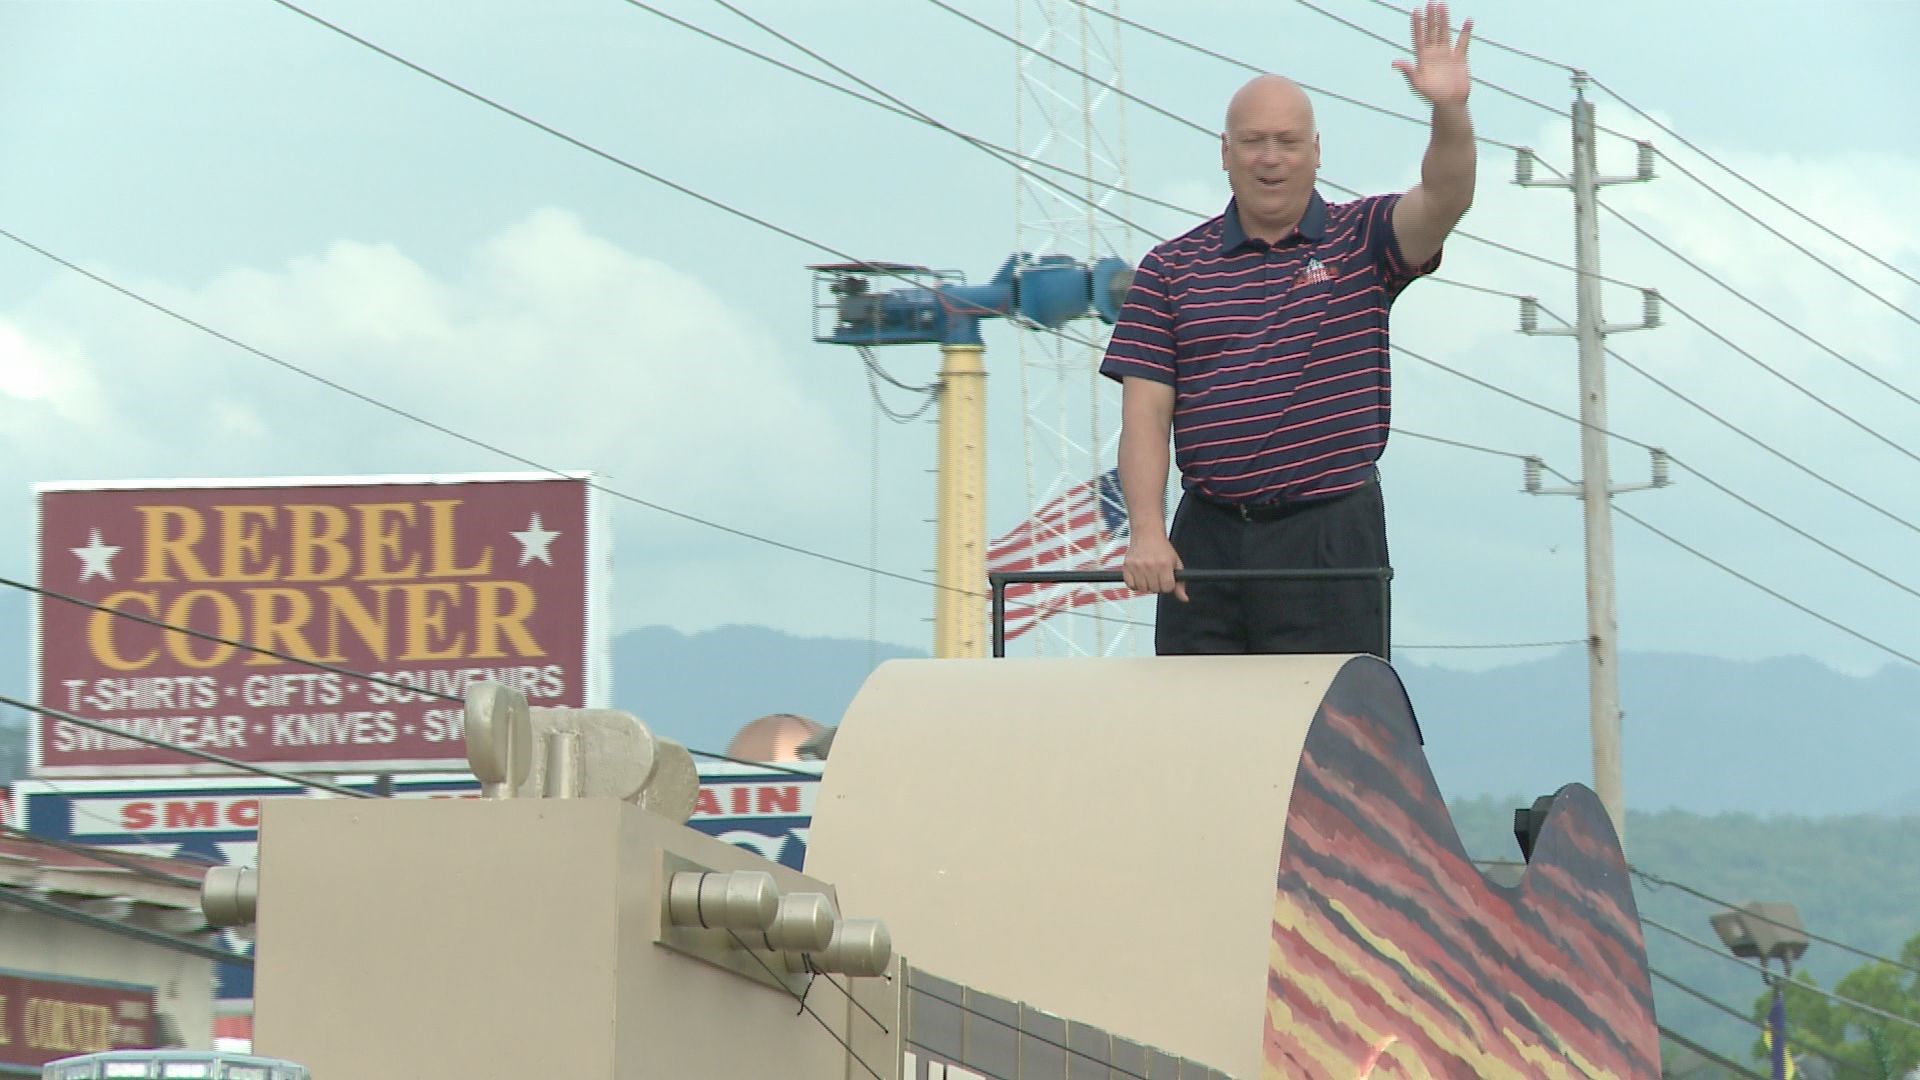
(1347, 531)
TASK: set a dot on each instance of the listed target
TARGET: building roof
(139, 895)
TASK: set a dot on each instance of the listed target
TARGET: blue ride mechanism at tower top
(938, 308)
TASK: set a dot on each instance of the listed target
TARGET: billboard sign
(216, 822)
(427, 582)
(43, 1018)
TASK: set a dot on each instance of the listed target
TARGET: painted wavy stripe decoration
(1393, 956)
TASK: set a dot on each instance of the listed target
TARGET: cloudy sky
(321, 203)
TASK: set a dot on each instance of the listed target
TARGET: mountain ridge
(1705, 735)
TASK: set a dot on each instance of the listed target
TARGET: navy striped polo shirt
(1277, 353)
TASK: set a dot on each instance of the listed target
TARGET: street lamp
(1767, 932)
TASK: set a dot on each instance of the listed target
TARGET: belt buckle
(1246, 513)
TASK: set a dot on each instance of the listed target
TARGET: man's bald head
(1269, 99)
(1271, 153)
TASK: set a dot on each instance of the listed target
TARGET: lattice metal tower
(1071, 413)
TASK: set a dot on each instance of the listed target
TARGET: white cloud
(550, 342)
(1669, 599)
(45, 373)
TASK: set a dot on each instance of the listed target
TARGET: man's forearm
(1143, 461)
(1447, 172)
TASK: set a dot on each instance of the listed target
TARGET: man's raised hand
(1438, 71)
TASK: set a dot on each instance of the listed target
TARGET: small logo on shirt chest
(1314, 273)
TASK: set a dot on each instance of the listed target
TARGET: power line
(615, 159)
(298, 369)
(81, 810)
(1792, 1043)
(1736, 496)
(1763, 444)
(1016, 1029)
(470, 440)
(804, 1007)
(1505, 645)
(1495, 87)
(1771, 315)
(1795, 529)
(1682, 169)
(842, 71)
(745, 534)
(1796, 245)
(260, 770)
(894, 103)
(261, 650)
(1550, 410)
(192, 752)
(1717, 1058)
(1667, 883)
(1560, 644)
(1193, 46)
(1629, 222)
(1210, 133)
(100, 856)
(9, 895)
(441, 428)
(1795, 604)
(1776, 594)
(899, 107)
(1722, 338)
(1683, 141)
(1462, 445)
(771, 766)
(1860, 1006)
(350, 673)
(1122, 91)
(711, 201)
(657, 178)
(288, 658)
(1708, 480)
(1736, 174)
(1658, 883)
(1479, 40)
(807, 961)
(1520, 398)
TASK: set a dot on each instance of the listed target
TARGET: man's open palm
(1438, 70)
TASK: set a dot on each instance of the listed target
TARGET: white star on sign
(534, 542)
(96, 559)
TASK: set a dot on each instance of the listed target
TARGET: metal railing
(999, 582)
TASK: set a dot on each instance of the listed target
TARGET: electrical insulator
(1523, 166)
(1529, 315)
(1661, 475)
(1532, 472)
(1646, 160)
(1650, 307)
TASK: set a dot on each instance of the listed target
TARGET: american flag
(1085, 528)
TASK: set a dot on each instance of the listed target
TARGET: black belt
(1272, 510)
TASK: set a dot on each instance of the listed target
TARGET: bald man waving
(1257, 344)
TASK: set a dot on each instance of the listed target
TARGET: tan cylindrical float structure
(1243, 860)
